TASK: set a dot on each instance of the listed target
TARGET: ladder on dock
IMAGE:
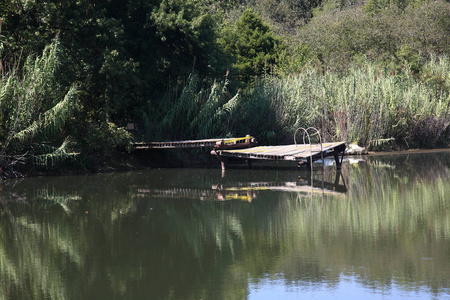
(301, 153)
(245, 148)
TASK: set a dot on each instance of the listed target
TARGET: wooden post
(337, 160)
(223, 160)
(337, 178)
(306, 163)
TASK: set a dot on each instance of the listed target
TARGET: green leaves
(53, 156)
(197, 112)
(50, 121)
(187, 37)
(253, 45)
(37, 108)
(388, 36)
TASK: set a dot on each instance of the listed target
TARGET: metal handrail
(305, 132)
(320, 140)
(309, 140)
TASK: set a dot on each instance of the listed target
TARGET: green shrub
(412, 34)
(253, 45)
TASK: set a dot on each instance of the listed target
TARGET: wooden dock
(241, 142)
(245, 148)
(301, 153)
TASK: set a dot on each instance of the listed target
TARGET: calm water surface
(380, 229)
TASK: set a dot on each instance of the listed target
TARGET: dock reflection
(305, 184)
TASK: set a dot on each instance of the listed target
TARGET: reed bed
(372, 105)
(197, 111)
(366, 104)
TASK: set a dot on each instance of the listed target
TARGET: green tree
(123, 54)
(252, 44)
(389, 36)
(91, 36)
(285, 15)
(186, 37)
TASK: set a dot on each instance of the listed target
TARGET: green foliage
(338, 37)
(292, 61)
(121, 52)
(284, 15)
(379, 143)
(103, 139)
(52, 156)
(48, 122)
(373, 105)
(257, 114)
(377, 6)
(186, 34)
(367, 105)
(34, 108)
(253, 45)
(196, 112)
(436, 73)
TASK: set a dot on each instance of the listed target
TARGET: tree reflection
(109, 236)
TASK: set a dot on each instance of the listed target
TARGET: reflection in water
(381, 227)
(247, 191)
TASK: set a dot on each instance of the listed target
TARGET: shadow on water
(382, 221)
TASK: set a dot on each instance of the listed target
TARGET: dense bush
(252, 44)
(200, 110)
(339, 37)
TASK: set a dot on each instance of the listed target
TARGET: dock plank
(284, 152)
(205, 143)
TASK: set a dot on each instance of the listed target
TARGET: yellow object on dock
(247, 141)
(245, 148)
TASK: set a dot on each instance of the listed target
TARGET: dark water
(380, 229)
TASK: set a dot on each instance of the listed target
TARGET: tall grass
(33, 112)
(197, 111)
(365, 104)
(369, 104)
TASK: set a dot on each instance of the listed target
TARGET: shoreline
(185, 160)
(400, 152)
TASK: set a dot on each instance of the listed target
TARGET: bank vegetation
(74, 74)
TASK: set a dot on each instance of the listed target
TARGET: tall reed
(198, 111)
(33, 111)
(368, 104)
(364, 104)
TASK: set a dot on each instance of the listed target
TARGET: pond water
(379, 229)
